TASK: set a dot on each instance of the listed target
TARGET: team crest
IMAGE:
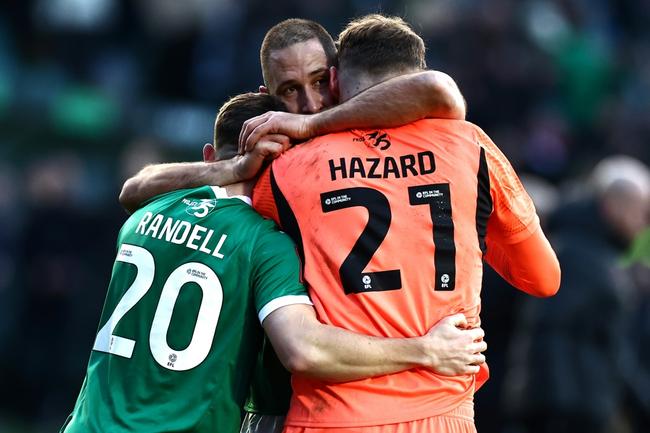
(200, 208)
(378, 139)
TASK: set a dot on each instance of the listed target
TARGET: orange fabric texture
(264, 203)
(458, 420)
(391, 229)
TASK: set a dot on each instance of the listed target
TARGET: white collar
(220, 192)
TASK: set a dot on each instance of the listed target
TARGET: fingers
(458, 320)
(281, 139)
(476, 333)
(478, 347)
(456, 349)
(256, 132)
(460, 369)
(483, 346)
(249, 126)
(271, 146)
(478, 359)
(267, 149)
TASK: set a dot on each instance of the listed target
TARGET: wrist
(426, 353)
(313, 125)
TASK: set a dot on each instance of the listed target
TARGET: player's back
(179, 331)
(393, 225)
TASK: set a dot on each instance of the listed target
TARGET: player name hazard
(383, 168)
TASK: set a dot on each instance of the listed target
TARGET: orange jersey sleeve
(516, 246)
(530, 265)
(513, 217)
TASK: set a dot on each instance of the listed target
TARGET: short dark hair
(377, 44)
(232, 115)
(294, 31)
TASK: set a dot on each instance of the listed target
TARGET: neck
(241, 188)
(353, 82)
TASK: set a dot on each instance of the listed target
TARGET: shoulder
(302, 158)
(270, 235)
(313, 144)
(441, 125)
(172, 196)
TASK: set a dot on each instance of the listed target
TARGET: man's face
(299, 76)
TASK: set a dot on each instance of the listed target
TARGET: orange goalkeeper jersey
(392, 225)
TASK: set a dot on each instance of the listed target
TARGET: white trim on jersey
(282, 301)
(220, 192)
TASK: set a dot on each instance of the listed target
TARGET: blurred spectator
(137, 154)
(56, 294)
(572, 359)
(638, 401)
(11, 213)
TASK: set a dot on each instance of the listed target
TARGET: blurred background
(91, 90)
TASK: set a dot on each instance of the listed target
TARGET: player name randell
(181, 232)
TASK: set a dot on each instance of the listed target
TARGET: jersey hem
(402, 418)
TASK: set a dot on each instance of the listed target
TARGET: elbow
(298, 364)
(548, 284)
(554, 286)
(546, 290)
(447, 96)
(553, 279)
(128, 196)
(303, 361)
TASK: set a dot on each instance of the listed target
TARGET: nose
(311, 102)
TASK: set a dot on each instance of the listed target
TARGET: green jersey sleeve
(276, 272)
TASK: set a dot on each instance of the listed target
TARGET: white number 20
(206, 321)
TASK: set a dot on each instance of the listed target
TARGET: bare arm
(307, 347)
(161, 178)
(394, 102)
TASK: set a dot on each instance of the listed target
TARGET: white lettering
(180, 232)
(195, 236)
(203, 249)
(216, 252)
(179, 238)
(143, 222)
(154, 226)
(168, 229)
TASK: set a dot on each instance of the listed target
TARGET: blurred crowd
(91, 90)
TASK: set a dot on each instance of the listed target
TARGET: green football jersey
(195, 274)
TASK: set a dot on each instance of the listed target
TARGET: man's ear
(209, 153)
(334, 82)
(264, 89)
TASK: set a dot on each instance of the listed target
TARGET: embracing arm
(530, 265)
(394, 102)
(309, 348)
(161, 178)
